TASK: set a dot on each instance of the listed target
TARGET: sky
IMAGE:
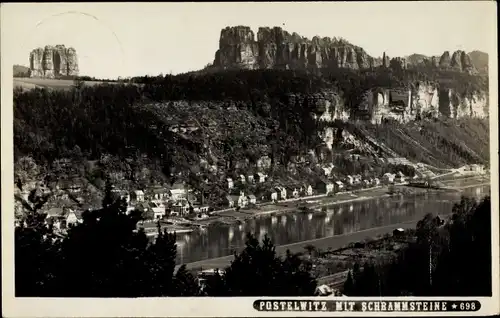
(132, 39)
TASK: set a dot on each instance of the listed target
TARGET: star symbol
(454, 306)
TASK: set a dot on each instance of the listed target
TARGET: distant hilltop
(53, 62)
(277, 48)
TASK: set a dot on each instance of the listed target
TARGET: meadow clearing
(31, 83)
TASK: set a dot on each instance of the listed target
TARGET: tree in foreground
(104, 256)
(259, 271)
(447, 259)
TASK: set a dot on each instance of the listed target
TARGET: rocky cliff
(422, 100)
(277, 48)
(457, 61)
(53, 62)
(327, 105)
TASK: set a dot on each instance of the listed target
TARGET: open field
(31, 83)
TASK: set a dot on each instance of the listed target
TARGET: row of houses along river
(336, 220)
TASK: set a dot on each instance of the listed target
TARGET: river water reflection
(338, 219)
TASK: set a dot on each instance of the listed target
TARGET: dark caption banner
(367, 305)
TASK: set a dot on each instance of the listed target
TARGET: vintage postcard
(249, 159)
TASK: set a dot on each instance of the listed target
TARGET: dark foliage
(104, 256)
(258, 271)
(447, 259)
(118, 119)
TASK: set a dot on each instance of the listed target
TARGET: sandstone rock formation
(456, 106)
(277, 48)
(423, 100)
(327, 105)
(458, 61)
(53, 62)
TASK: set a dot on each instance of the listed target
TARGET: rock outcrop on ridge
(53, 62)
(279, 49)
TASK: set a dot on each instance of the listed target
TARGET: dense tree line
(448, 259)
(102, 257)
(258, 271)
(108, 118)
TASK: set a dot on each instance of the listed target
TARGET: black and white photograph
(327, 150)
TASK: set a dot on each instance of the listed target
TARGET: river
(329, 221)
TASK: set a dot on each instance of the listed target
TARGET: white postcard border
(201, 306)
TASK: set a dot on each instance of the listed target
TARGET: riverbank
(318, 201)
(339, 240)
(231, 217)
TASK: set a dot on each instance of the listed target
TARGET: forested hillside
(188, 123)
(20, 71)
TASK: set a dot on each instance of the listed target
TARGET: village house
(327, 170)
(338, 186)
(252, 199)
(243, 179)
(231, 200)
(308, 190)
(242, 200)
(325, 186)
(250, 178)
(73, 217)
(61, 218)
(159, 194)
(366, 183)
(178, 191)
(260, 177)
(376, 181)
(138, 196)
(281, 192)
(400, 177)
(158, 210)
(274, 196)
(295, 193)
(388, 177)
(237, 200)
(180, 208)
(54, 217)
(357, 178)
(270, 195)
(477, 168)
(201, 209)
(230, 183)
(350, 180)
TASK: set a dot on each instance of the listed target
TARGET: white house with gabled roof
(230, 183)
